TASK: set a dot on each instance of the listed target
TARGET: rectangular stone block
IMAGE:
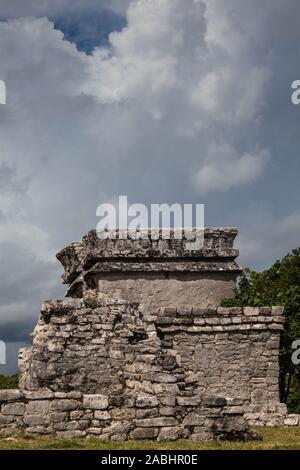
(10, 395)
(95, 402)
(58, 417)
(38, 407)
(102, 415)
(163, 378)
(7, 419)
(94, 430)
(223, 311)
(211, 401)
(198, 312)
(225, 321)
(146, 413)
(198, 321)
(167, 411)
(199, 329)
(169, 434)
(41, 394)
(65, 405)
(35, 420)
(189, 401)
(144, 433)
(184, 312)
(156, 422)
(292, 420)
(193, 419)
(236, 310)
(251, 311)
(16, 409)
(143, 401)
(165, 388)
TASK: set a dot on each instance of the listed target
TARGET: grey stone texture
(159, 272)
(126, 369)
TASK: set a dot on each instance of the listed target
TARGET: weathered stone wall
(121, 371)
(164, 363)
(107, 346)
(100, 345)
(144, 416)
(154, 271)
(168, 289)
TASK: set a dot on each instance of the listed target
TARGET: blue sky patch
(89, 30)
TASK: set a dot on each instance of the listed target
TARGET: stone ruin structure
(141, 349)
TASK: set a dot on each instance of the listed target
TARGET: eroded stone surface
(176, 366)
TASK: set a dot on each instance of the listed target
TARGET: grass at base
(273, 439)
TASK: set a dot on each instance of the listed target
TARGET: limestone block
(291, 420)
(169, 434)
(95, 402)
(72, 426)
(194, 419)
(251, 311)
(40, 394)
(16, 409)
(163, 378)
(143, 401)
(35, 420)
(146, 413)
(165, 388)
(189, 401)
(9, 395)
(58, 417)
(167, 411)
(7, 419)
(144, 433)
(38, 407)
(102, 415)
(213, 401)
(95, 431)
(65, 405)
(156, 422)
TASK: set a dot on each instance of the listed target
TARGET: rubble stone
(141, 349)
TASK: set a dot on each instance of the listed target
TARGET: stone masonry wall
(168, 290)
(119, 371)
(164, 363)
(145, 416)
(107, 346)
(156, 271)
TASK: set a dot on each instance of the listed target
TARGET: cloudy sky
(183, 101)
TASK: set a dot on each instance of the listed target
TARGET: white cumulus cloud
(224, 169)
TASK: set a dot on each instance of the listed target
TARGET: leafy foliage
(278, 285)
(9, 381)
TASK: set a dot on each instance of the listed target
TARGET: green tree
(278, 285)
(9, 381)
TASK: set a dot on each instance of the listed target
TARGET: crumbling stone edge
(152, 392)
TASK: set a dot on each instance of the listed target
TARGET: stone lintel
(218, 248)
